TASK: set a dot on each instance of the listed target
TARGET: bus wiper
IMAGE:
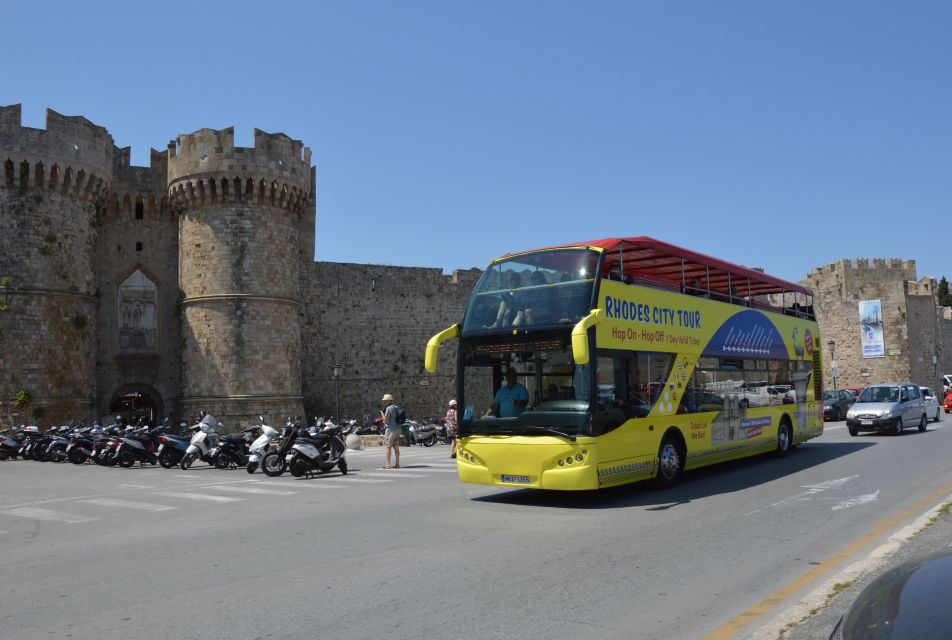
(550, 431)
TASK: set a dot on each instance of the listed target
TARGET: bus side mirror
(580, 336)
(433, 346)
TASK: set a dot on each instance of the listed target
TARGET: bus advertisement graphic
(871, 328)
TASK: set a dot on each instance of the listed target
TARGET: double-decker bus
(601, 363)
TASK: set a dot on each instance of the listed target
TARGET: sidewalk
(816, 615)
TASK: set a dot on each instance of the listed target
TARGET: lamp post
(337, 369)
(833, 371)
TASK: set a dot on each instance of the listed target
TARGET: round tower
(50, 185)
(240, 268)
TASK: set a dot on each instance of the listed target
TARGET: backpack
(401, 415)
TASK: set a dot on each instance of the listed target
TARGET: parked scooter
(420, 433)
(172, 447)
(9, 445)
(59, 441)
(275, 462)
(318, 452)
(138, 446)
(200, 446)
(80, 446)
(31, 436)
(232, 449)
(260, 446)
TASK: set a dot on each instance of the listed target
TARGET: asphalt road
(91, 552)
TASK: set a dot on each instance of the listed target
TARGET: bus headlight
(578, 457)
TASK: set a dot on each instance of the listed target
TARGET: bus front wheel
(670, 462)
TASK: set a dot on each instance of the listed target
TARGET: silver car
(933, 405)
(887, 407)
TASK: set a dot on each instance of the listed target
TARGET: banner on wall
(871, 328)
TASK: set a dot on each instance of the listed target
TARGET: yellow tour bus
(602, 363)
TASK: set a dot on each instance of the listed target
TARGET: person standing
(451, 427)
(391, 431)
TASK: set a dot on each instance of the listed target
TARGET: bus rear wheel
(670, 463)
(784, 439)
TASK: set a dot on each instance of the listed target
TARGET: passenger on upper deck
(535, 310)
(511, 306)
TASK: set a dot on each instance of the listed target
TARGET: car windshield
(831, 395)
(538, 289)
(879, 394)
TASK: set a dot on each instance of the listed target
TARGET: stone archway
(132, 401)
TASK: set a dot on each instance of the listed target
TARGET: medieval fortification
(191, 284)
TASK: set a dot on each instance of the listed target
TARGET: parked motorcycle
(416, 432)
(275, 462)
(232, 449)
(9, 445)
(260, 446)
(80, 446)
(138, 446)
(200, 446)
(318, 452)
(172, 447)
(59, 441)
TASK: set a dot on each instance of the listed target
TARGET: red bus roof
(645, 258)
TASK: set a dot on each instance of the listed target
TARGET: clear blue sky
(782, 135)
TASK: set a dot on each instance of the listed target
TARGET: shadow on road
(726, 477)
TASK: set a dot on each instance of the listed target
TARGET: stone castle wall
(375, 321)
(911, 321)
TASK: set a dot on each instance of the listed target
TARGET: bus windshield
(540, 289)
(524, 388)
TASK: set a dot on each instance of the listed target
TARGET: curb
(818, 598)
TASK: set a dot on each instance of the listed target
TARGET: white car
(933, 406)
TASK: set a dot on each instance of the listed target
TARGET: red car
(948, 402)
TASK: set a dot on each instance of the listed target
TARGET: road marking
(46, 515)
(852, 502)
(387, 475)
(353, 480)
(127, 504)
(136, 486)
(201, 496)
(430, 469)
(811, 490)
(732, 629)
(255, 490)
(190, 477)
(300, 483)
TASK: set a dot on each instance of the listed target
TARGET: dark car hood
(908, 602)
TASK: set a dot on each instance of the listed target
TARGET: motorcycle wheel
(4, 455)
(222, 461)
(342, 465)
(273, 464)
(167, 460)
(40, 456)
(429, 442)
(298, 467)
(187, 461)
(126, 459)
(252, 467)
(77, 457)
(58, 456)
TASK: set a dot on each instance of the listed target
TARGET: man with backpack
(391, 430)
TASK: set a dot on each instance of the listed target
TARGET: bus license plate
(866, 423)
(515, 479)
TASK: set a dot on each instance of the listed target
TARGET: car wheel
(853, 431)
(922, 423)
(938, 415)
(897, 428)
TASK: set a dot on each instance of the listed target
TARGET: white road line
(300, 483)
(136, 486)
(200, 496)
(255, 490)
(127, 504)
(430, 469)
(351, 480)
(811, 490)
(190, 477)
(364, 474)
(46, 515)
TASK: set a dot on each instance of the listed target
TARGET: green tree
(945, 298)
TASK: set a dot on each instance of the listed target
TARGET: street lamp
(337, 369)
(832, 345)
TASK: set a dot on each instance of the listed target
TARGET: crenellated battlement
(71, 155)
(206, 167)
(862, 266)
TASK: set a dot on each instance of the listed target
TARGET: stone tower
(51, 184)
(246, 232)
